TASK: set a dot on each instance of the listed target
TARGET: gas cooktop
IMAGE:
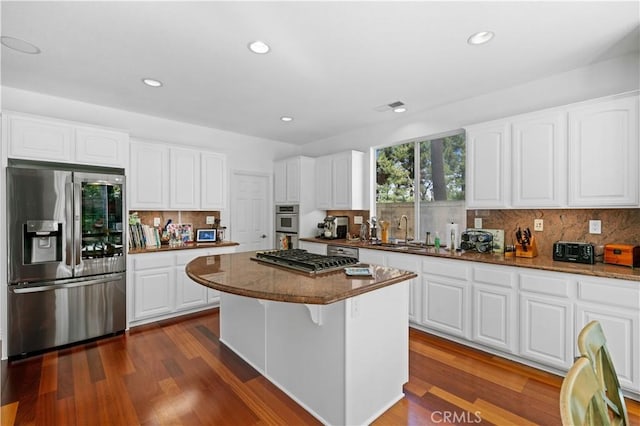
(302, 260)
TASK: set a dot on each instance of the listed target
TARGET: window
(421, 179)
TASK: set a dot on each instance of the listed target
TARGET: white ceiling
(331, 63)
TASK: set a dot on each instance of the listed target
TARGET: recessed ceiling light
(259, 47)
(152, 82)
(19, 45)
(400, 109)
(481, 37)
(286, 119)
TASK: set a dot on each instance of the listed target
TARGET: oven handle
(56, 285)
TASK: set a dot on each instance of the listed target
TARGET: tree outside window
(438, 178)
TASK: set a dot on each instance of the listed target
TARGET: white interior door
(251, 211)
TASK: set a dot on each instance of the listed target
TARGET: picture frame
(207, 235)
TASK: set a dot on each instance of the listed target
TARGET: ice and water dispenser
(42, 242)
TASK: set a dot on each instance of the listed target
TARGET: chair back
(581, 400)
(592, 344)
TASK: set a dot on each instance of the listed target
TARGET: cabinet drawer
(446, 268)
(503, 277)
(610, 292)
(545, 284)
(153, 260)
(187, 256)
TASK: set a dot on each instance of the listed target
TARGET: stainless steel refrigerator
(66, 255)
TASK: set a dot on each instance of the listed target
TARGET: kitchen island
(337, 345)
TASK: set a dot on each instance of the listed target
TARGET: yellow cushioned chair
(581, 400)
(592, 344)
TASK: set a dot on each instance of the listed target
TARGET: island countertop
(238, 274)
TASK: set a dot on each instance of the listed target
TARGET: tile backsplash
(196, 218)
(618, 225)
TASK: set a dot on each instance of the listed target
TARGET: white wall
(243, 152)
(604, 78)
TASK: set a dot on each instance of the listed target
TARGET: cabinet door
(445, 305)
(214, 181)
(38, 139)
(493, 317)
(409, 263)
(153, 292)
(546, 330)
(185, 179)
(539, 160)
(280, 181)
(189, 294)
(149, 188)
(101, 147)
(324, 184)
(293, 180)
(621, 329)
(487, 182)
(341, 182)
(603, 154)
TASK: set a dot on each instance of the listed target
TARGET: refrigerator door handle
(68, 232)
(55, 285)
(77, 226)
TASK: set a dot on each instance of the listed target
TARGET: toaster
(622, 254)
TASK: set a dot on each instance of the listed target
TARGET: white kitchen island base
(344, 362)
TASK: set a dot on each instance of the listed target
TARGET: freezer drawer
(46, 315)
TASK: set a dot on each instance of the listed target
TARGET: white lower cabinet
(162, 289)
(446, 293)
(189, 294)
(495, 310)
(153, 283)
(616, 305)
(410, 263)
(546, 318)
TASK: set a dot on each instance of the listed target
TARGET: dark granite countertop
(188, 246)
(544, 262)
(238, 274)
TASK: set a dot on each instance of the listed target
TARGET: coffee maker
(334, 227)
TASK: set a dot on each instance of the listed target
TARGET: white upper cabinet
(539, 157)
(185, 179)
(214, 181)
(339, 181)
(171, 178)
(323, 182)
(583, 155)
(44, 139)
(603, 153)
(288, 179)
(149, 180)
(101, 147)
(488, 165)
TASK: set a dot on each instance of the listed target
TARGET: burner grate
(302, 260)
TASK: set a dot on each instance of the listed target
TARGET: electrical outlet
(156, 221)
(211, 220)
(477, 223)
(538, 225)
(357, 220)
(595, 227)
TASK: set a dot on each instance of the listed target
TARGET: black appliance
(476, 240)
(574, 252)
(302, 260)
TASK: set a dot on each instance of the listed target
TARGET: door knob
(263, 236)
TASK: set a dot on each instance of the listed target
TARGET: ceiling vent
(387, 107)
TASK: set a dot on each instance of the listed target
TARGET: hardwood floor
(177, 372)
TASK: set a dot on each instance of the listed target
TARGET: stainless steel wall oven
(66, 249)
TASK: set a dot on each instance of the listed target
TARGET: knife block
(532, 249)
